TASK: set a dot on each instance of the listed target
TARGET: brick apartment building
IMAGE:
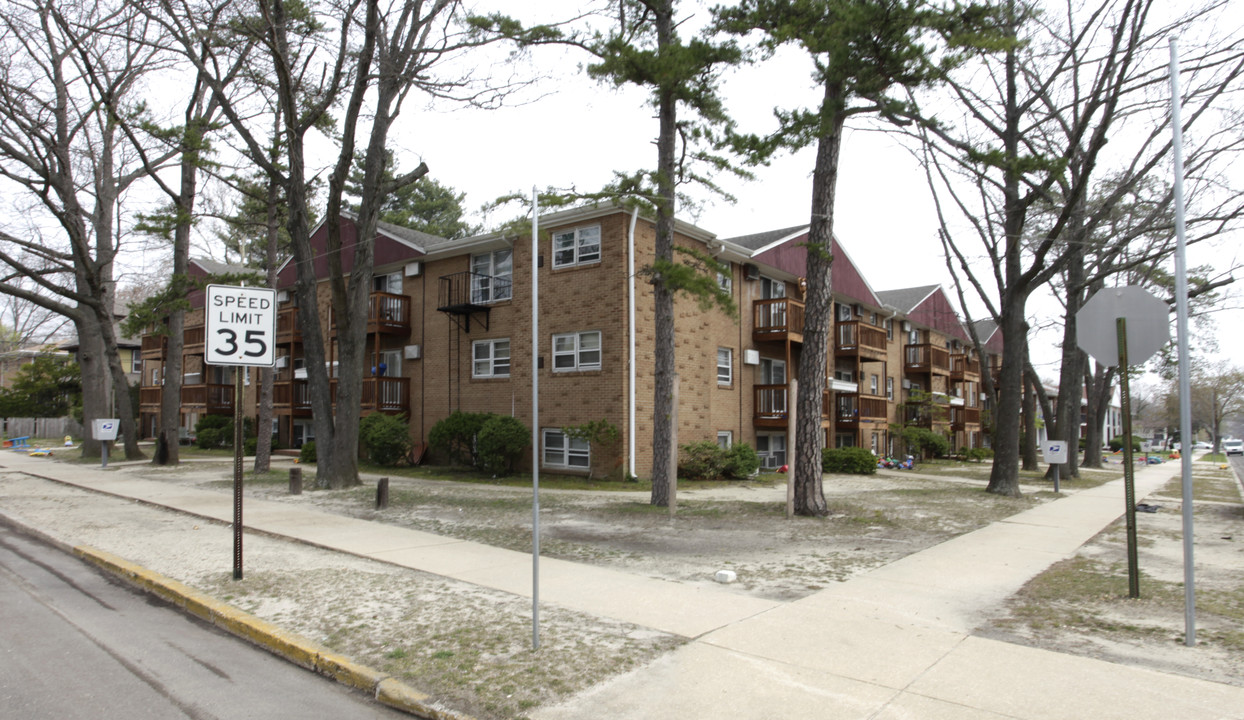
(450, 329)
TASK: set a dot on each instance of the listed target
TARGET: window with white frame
(576, 247)
(873, 382)
(725, 439)
(564, 451)
(492, 276)
(725, 366)
(771, 289)
(845, 313)
(725, 282)
(490, 358)
(772, 450)
(889, 388)
(889, 329)
(576, 351)
(387, 283)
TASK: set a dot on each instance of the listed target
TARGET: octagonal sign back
(1148, 324)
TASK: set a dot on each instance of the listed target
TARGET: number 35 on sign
(241, 326)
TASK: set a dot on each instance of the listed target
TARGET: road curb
(294, 648)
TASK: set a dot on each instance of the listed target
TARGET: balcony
(287, 330)
(387, 314)
(926, 358)
(853, 409)
(770, 407)
(965, 418)
(291, 397)
(964, 369)
(859, 339)
(154, 347)
(212, 398)
(194, 340)
(779, 319)
(467, 294)
(149, 397)
(379, 394)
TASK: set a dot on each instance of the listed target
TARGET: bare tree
(351, 65)
(1034, 131)
(66, 67)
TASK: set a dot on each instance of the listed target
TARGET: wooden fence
(42, 427)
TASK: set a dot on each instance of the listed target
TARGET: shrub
(1116, 443)
(703, 460)
(979, 454)
(742, 461)
(501, 442)
(456, 436)
(848, 461)
(385, 437)
(307, 454)
(210, 432)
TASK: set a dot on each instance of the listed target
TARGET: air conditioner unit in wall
(413, 352)
(906, 326)
(751, 357)
(751, 272)
(906, 384)
(282, 296)
(414, 268)
(282, 362)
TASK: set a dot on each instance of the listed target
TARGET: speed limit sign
(241, 326)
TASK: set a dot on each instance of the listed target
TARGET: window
(772, 451)
(772, 372)
(771, 289)
(889, 389)
(872, 318)
(576, 351)
(725, 366)
(844, 313)
(389, 365)
(563, 451)
(724, 282)
(576, 247)
(844, 375)
(889, 329)
(872, 384)
(492, 277)
(490, 358)
(725, 439)
(913, 337)
(844, 440)
(390, 283)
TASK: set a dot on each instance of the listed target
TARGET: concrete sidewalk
(891, 643)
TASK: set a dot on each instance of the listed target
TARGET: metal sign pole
(1129, 472)
(1185, 372)
(535, 420)
(238, 436)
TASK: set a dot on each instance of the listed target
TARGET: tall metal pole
(1129, 470)
(535, 420)
(1181, 332)
(238, 436)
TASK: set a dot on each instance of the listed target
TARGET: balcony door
(389, 283)
(772, 372)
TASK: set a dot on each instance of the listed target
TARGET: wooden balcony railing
(961, 418)
(287, 329)
(386, 394)
(964, 367)
(857, 338)
(293, 396)
(149, 396)
(194, 340)
(387, 314)
(926, 358)
(777, 319)
(154, 347)
(853, 408)
(771, 405)
(213, 398)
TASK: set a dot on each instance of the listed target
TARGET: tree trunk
(818, 313)
(1029, 447)
(94, 368)
(263, 444)
(664, 433)
(1004, 477)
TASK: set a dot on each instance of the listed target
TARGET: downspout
(630, 272)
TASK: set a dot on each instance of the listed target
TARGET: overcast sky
(577, 133)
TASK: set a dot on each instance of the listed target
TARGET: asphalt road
(76, 644)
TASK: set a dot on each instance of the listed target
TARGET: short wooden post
(382, 493)
(295, 481)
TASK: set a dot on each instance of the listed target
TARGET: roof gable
(391, 246)
(936, 311)
(787, 250)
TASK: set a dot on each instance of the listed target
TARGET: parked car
(1202, 445)
(1233, 447)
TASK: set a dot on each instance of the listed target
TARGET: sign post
(241, 333)
(105, 431)
(1055, 453)
(1117, 326)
